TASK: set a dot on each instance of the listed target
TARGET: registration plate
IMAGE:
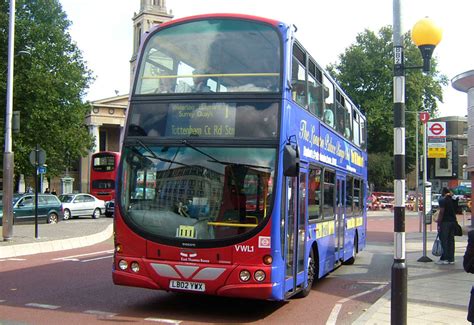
(186, 285)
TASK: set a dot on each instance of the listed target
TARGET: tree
(49, 85)
(381, 171)
(365, 71)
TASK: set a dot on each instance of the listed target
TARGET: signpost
(37, 159)
(436, 132)
(424, 117)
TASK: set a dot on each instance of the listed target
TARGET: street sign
(42, 170)
(37, 160)
(436, 132)
(424, 117)
(436, 129)
(436, 152)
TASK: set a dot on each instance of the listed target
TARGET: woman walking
(446, 226)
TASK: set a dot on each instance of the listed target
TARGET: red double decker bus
(104, 165)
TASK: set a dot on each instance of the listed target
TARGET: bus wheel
(354, 253)
(312, 275)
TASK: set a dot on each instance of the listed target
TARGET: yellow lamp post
(426, 35)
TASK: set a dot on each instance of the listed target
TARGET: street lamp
(426, 44)
(8, 162)
(426, 35)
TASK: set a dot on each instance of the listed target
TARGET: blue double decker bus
(254, 159)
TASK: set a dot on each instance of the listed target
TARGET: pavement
(66, 234)
(436, 294)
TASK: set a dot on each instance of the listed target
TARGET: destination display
(243, 119)
(210, 120)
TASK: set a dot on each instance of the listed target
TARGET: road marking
(44, 306)
(100, 313)
(334, 313)
(163, 320)
(97, 258)
(74, 257)
(373, 282)
(13, 259)
(337, 307)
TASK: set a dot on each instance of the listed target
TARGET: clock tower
(152, 12)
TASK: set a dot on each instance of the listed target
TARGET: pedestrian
(468, 263)
(446, 226)
(53, 191)
(46, 191)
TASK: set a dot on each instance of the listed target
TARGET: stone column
(94, 131)
(465, 82)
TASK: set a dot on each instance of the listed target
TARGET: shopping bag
(435, 216)
(437, 249)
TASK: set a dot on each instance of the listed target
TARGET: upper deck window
(103, 163)
(214, 55)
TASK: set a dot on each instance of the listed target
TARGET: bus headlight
(135, 267)
(123, 265)
(244, 275)
(259, 275)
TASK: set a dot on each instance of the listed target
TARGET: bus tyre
(96, 214)
(67, 214)
(53, 218)
(354, 253)
(312, 275)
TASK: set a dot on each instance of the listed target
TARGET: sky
(103, 32)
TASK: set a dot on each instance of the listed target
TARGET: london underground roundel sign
(436, 129)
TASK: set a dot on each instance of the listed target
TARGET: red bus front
(103, 174)
(203, 227)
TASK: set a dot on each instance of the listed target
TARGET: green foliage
(381, 171)
(365, 71)
(49, 85)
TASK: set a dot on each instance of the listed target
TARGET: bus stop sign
(424, 117)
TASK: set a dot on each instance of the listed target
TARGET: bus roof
(220, 15)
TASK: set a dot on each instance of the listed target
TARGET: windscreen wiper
(226, 163)
(155, 156)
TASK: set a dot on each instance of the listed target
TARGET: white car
(81, 204)
(435, 201)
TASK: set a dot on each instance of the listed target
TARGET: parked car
(109, 208)
(81, 204)
(49, 208)
(435, 201)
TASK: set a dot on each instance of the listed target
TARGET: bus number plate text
(186, 285)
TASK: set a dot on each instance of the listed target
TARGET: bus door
(340, 216)
(295, 232)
